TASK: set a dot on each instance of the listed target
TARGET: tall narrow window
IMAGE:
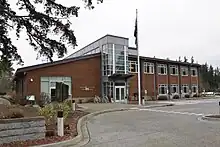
(185, 88)
(162, 89)
(133, 67)
(174, 88)
(148, 68)
(184, 71)
(173, 70)
(162, 69)
(194, 72)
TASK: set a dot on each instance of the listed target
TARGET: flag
(135, 31)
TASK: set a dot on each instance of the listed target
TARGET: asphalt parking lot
(176, 126)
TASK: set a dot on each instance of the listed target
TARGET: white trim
(120, 98)
(151, 65)
(177, 88)
(113, 52)
(182, 88)
(136, 66)
(166, 89)
(196, 71)
(162, 65)
(184, 68)
(176, 70)
(125, 59)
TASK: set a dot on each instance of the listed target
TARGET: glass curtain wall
(114, 60)
(107, 59)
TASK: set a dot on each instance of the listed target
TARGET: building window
(133, 66)
(194, 88)
(173, 70)
(162, 89)
(148, 68)
(185, 88)
(194, 72)
(174, 88)
(184, 71)
(162, 69)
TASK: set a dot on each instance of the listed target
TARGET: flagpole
(138, 59)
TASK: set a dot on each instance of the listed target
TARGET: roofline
(98, 40)
(165, 60)
(63, 61)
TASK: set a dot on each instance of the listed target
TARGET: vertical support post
(219, 107)
(73, 105)
(60, 125)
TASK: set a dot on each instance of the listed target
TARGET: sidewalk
(95, 107)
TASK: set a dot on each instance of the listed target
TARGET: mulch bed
(69, 133)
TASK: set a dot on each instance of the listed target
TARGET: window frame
(151, 67)
(196, 72)
(136, 66)
(185, 85)
(184, 68)
(194, 86)
(165, 90)
(176, 69)
(177, 88)
(160, 66)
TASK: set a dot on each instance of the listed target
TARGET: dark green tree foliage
(39, 27)
(210, 77)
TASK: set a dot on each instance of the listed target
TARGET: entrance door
(119, 93)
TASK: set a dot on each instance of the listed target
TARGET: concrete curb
(209, 118)
(83, 133)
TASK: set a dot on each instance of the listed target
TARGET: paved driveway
(176, 126)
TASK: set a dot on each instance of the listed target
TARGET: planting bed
(70, 132)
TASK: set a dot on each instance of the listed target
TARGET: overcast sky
(167, 28)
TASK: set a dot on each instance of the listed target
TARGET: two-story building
(108, 67)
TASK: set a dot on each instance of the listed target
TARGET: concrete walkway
(92, 107)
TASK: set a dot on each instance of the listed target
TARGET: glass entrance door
(119, 93)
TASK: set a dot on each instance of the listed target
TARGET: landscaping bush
(176, 96)
(49, 111)
(187, 96)
(162, 97)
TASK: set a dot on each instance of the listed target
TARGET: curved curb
(207, 117)
(83, 134)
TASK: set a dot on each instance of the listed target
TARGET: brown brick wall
(148, 84)
(84, 72)
(162, 79)
(174, 79)
(185, 79)
(194, 80)
(133, 84)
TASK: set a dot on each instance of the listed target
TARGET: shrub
(44, 99)
(187, 96)
(49, 111)
(176, 96)
(162, 97)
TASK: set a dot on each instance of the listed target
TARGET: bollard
(73, 105)
(60, 125)
(143, 101)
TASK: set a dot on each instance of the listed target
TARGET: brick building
(108, 67)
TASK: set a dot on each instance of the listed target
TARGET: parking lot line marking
(172, 112)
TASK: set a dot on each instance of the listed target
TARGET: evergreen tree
(39, 26)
